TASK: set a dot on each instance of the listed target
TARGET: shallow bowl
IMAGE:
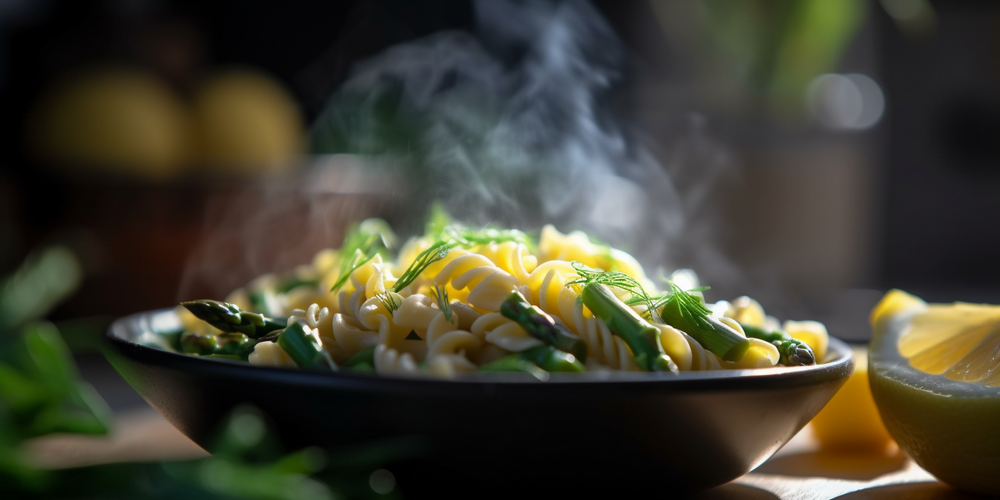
(500, 434)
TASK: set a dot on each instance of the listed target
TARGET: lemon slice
(935, 375)
(850, 421)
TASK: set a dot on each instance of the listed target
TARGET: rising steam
(512, 125)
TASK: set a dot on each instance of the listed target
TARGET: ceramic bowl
(500, 434)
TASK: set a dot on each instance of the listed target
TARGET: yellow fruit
(893, 302)
(935, 376)
(247, 124)
(112, 121)
(850, 421)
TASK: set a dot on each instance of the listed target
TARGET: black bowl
(498, 434)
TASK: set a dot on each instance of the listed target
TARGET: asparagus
(229, 318)
(235, 344)
(363, 360)
(686, 312)
(536, 360)
(541, 326)
(792, 352)
(305, 349)
(225, 344)
(641, 337)
(515, 363)
(552, 359)
(198, 343)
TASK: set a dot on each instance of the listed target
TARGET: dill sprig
(588, 275)
(363, 242)
(487, 235)
(349, 266)
(388, 301)
(441, 294)
(436, 252)
(438, 221)
(661, 300)
(688, 313)
(440, 226)
(455, 237)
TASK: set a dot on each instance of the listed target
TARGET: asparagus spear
(642, 338)
(305, 349)
(540, 325)
(545, 358)
(198, 343)
(512, 363)
(363, 360)
(792, 352)
(550, 358)
(686, 312)
(229, 318)
(224, 344)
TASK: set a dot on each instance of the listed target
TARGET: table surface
(799, 471)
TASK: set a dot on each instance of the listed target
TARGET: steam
(515, 126)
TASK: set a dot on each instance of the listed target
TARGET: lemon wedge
(935, 375)
(850, 421)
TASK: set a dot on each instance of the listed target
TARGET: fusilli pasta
(440, 309)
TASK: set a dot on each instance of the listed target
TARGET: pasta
(462, 301)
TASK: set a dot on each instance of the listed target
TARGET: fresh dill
(441, 294)
(440, 226)
(363, 242)
(348, 267)
(695, 293)
(487, 235)
(588, 275)
(436, 252)
(691, 304)
(388, 301)
(438, 221)
(688, 313)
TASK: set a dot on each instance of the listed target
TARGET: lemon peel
(946, 423)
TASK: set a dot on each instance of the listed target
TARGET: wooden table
(799, 471)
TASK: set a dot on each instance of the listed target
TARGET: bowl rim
(119, 339)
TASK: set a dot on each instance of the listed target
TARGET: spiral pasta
(438, 309)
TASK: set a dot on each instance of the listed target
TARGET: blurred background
(809, 153)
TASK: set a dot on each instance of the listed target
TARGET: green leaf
(80, 412)
(44, 279)
(18, 392)
(46, 356)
